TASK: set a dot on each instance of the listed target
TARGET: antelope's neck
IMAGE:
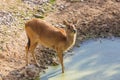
(70, 41)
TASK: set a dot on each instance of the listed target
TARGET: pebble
(62, 7)
(31, 71)
(38, 16)
(41, 10)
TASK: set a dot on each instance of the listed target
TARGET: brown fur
(39, 31)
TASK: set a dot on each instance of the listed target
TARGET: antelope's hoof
(62, 71)
(55, 63)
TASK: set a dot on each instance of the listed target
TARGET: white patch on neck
(74, 39)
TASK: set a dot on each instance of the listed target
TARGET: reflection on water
(94, 60)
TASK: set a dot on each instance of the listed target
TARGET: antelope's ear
(66, 23)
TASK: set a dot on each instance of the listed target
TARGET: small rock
(31, 71)
(61, 7)
(38, 16)
(14, 73)
(59, 25)
(26, 18)
(41, 10)
(54, 63)
(18, 76)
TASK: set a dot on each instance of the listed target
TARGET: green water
(94, 60)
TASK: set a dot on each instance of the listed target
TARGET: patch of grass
(52, 1)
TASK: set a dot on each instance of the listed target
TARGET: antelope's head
(70, 28)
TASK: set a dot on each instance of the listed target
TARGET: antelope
(40, 32)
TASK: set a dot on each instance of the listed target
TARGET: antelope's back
(46, 33)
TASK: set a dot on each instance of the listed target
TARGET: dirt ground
(95, 18)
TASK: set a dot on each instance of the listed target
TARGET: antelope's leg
(32, 48)
(27, 62)
(60, 56)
